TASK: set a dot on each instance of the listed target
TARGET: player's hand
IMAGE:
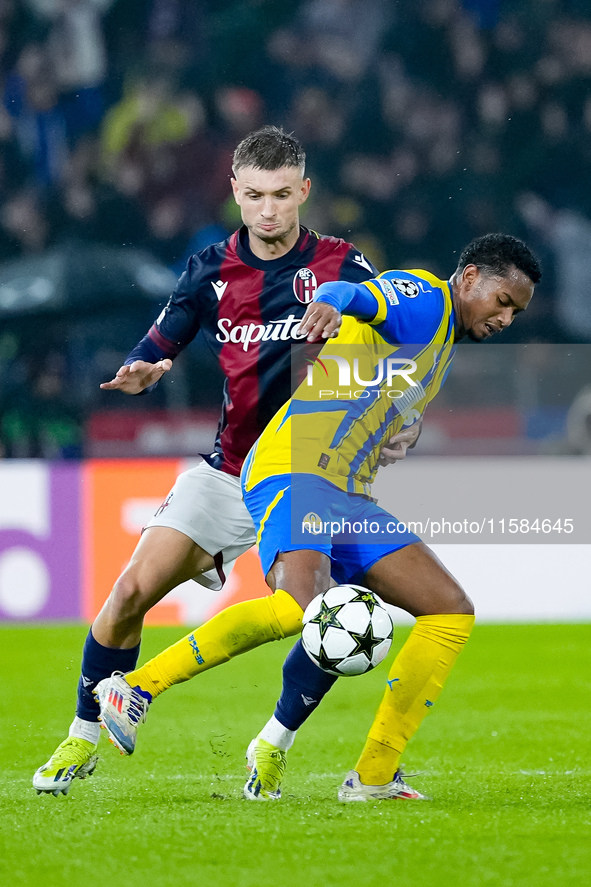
(139, 375)
(321, 321)
(399, 444)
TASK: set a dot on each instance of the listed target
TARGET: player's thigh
(303, 574)
(415, 580)
(163, 559)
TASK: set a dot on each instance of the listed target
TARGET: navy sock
(100, 662)
(304, 686)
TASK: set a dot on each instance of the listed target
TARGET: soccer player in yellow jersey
(314, 464)
(312, 469)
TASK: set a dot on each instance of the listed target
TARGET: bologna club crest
(305, 285)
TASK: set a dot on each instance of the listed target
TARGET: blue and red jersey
(248, 310)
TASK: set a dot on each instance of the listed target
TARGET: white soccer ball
(347, 630)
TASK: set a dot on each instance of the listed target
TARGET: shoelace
(137, 705)
(400, 776)
(137, 709)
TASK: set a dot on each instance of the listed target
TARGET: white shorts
(206, 505)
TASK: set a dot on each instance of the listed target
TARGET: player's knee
(128, 598)
(463, 604)
(467, 607)
(450, 597)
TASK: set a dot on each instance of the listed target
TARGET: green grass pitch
(505, 756)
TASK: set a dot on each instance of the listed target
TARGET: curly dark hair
(269, 148)
(496, 253)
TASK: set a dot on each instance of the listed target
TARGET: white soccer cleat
(267, 766)
(353, 789)
(123, 709)
(74, 758)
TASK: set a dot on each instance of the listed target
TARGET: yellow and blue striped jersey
(389, 360)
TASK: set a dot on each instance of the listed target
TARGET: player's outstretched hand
(399, 444)
(321, 321)
(139, 375)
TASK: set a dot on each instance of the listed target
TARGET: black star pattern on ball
(368, 599)
(327, 617)
(365, 643)
(326, 663)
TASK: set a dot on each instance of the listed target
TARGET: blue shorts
(305, 512)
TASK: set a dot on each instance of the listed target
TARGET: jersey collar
(246, 255)
(452, 313)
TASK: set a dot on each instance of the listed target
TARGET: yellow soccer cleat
(73, 759)
(267, 766)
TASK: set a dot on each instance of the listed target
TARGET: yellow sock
(233, 631)
(415, 681)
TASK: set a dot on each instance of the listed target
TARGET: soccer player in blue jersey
(314, 465)
(247, 295)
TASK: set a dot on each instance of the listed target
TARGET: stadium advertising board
(40, 541)
(68, 529)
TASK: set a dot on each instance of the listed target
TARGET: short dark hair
(269, 148)
(495, 253)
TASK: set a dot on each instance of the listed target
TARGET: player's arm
(323, 316)
(413, 319)
(176, 326)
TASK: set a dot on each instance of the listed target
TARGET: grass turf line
(504, 755)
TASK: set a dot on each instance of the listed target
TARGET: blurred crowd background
(425, 124)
